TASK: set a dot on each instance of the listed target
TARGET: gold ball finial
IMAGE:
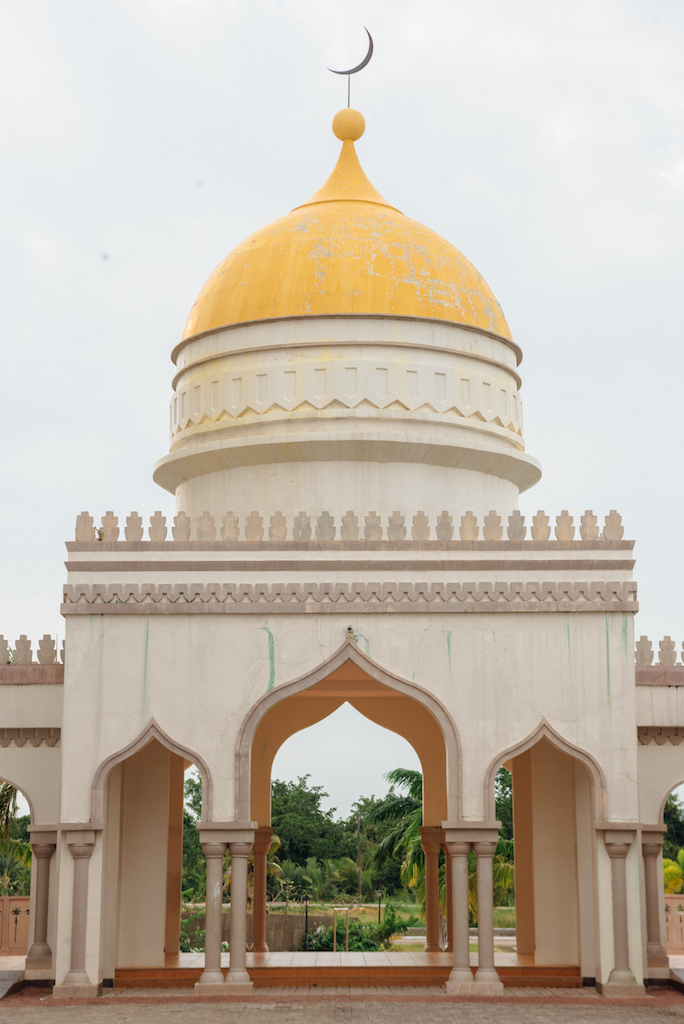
(348, 124)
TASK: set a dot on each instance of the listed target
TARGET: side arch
(5, 781)
(348, 652)
(546, 731)
(151, 732)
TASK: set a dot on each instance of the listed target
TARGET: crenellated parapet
(666, 670)
(353, 528)
(22, 652)
(667, 653)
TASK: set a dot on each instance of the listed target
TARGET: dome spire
(347, 180)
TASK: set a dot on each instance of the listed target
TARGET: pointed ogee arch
(347, 652)
(151, 732)
(546, 731)
(5, 781)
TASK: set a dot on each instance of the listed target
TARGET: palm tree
(404, 813)
(13, 851)
(10, 846)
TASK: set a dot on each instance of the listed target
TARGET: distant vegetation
(314, 854)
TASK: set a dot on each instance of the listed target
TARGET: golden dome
(345, 251)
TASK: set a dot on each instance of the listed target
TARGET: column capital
(471, 831)
(227, 831)
(240, 849)
(485, 849)
(459, 849)
(431, 838)
(618, 844)
(42, 850)
(43, 835)
(81, 844)
(652, 839)
(212, 847)
(262, 838)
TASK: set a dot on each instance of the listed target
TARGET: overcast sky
(143, 139)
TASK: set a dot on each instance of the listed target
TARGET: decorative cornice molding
(660, 734)
(333, 597)
(422, 565)
(20, 737)
(232, 396)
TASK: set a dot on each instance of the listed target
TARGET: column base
(474, 988)
(238, 983)
(39, 963)
(210, 988)
(39, 974)
(432, 947)
(210, 977)
(657, 973)
(76, 985)
(620, 985)
(656, 955)
(259, 947)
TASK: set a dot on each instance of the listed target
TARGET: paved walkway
(341, 1008)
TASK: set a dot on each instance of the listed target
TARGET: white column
(40, 955)
(460, 971)
(621, 982)
(77, 983)
(651, 847)
(486, 972)
(212, 975)
(237, 978)
(483, 836)
(239, 837)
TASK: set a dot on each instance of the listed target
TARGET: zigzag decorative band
(324, 598)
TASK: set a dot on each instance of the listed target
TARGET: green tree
(673, 840)
(503, 797)
(304, 828)
(194, 883)
(15, 848)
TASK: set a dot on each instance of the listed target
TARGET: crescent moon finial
(361, 66)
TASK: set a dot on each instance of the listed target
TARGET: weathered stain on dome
(346, 251)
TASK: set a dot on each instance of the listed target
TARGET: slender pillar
(460, 837)
(486, 972)
(262, 844)
(621, 981)
(449, 948)
(431, 841)
(461, 972)
(77, 982)
(651, 846)
(212, 975)
(40, 955)
(237, 976)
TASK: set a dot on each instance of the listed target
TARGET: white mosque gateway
(347, 456)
